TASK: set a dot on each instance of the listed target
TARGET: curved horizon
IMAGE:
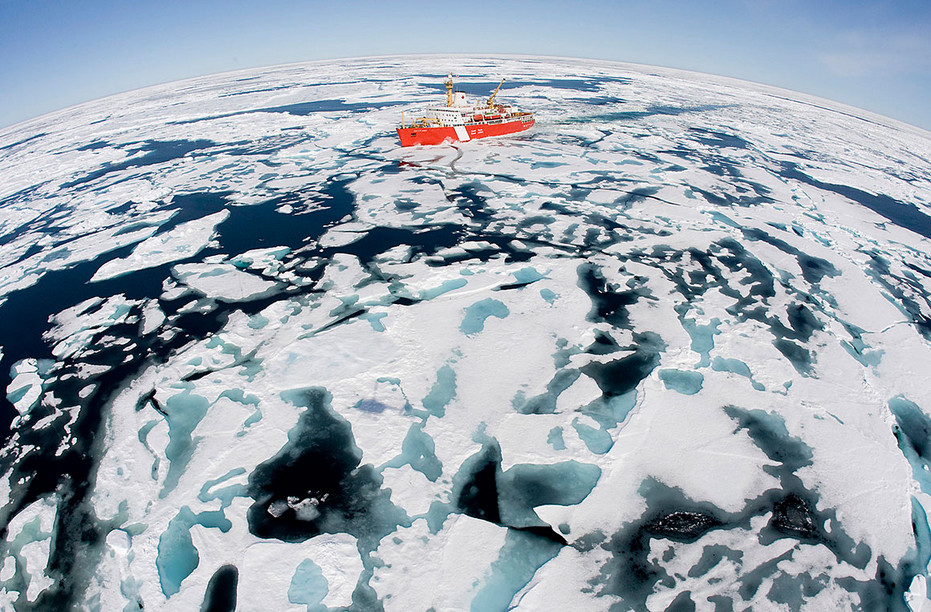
(869, 54)
(261, 353)
(792, 94)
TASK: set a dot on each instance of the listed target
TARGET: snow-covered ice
(667, 348)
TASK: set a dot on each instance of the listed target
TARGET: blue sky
(871, 54)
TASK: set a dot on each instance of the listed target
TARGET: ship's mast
(449, 89)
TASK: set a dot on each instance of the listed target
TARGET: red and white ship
(461, 120)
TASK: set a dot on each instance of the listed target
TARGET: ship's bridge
(447, 115)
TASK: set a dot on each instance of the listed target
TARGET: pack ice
(666, 350)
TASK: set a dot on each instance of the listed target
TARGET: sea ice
(223, 282)
(182, 242)
(660, 351)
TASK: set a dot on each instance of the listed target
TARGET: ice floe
(664, 349)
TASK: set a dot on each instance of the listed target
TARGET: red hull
(470, 131)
